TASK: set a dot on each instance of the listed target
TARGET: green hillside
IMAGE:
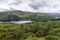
(19, 15)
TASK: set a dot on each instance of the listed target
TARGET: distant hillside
(55, 15)
(19, 15)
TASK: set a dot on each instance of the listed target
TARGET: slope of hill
(56, 15)
(19, 15)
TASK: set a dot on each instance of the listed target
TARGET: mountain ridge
(20, 15)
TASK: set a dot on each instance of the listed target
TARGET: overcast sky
(46, 6)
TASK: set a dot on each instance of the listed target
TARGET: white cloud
(23, 7)
(47, 6)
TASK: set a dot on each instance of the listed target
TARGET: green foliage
(31, 37)
(30, 31)
(39, 33)
(26, 35)
(50, 37)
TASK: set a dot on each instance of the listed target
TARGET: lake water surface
(18, 22)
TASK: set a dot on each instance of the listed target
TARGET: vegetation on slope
(49, 30)
(44, 27)
(19, 15)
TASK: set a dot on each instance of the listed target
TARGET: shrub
(26, 35)
(31, 38)
(39, 33)
(50, 37)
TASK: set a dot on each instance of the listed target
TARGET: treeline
(49, 30)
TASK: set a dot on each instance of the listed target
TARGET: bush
(26, 35)
(39, 33)
(51, 38)
(31, 38)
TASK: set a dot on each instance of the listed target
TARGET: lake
(18, 22)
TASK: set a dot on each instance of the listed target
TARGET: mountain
(55, 15)
(20, 15)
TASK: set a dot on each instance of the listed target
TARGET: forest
(38, 30)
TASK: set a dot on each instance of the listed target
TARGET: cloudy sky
(46, 6)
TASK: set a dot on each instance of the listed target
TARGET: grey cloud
(35, 4)
(39, 5)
